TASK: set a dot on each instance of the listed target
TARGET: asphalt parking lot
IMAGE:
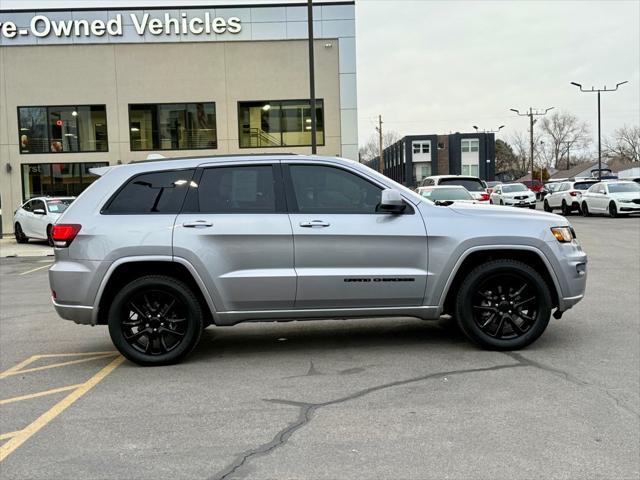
(373, 398)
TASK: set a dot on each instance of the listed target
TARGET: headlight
(624, 200)
(562, 234)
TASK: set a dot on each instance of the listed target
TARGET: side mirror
(391, 201)
(39, 211)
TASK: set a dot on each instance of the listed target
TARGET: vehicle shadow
(327, 335)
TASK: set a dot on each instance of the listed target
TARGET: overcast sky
(444, 66)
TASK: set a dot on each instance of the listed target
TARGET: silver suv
(159, 250)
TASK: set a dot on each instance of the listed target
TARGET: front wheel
(565, 209)
(49, 237)
(20, 236)
(155, 320)
(585, 210)
(613, 210)
(503, 305)
(546, 206)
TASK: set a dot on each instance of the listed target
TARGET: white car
(568, 196)
(611, 198)
(513, 195)
(442, 193)
(35, 217)
(474, 185)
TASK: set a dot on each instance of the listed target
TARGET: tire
(490, 202)
(478, 324)
(532, 207)
(49, 239)
(153, 343)
(565, 209)
(585, 210)
(20, 236)
(501, 202)
(613, 210)
(547, 207)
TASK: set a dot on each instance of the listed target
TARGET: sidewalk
(35, 248)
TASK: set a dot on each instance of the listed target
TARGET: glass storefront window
(57, 179)
(74, 128)
(172, 126)
(280, 123)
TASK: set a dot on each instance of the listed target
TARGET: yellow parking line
(82, 354)
(36, 269)
(54, 365)
(23, 435)
(5, 436)
(15, 368)
(39, 394)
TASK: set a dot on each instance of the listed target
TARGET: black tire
(20, 236)
(585, 210)
(532, 207)
(565, 209)
(501, 202)
(546, 206)
(490, 202)
(49, 239)
(613, 210)
(477, 323)
(149, 342)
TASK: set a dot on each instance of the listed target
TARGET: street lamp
(490, 131)
(605, 89)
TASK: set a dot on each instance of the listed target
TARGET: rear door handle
(198, 224)
(315, 224)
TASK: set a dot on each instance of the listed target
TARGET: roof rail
(230, 155)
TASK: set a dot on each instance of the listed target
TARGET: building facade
(83, 88)
(415, 157)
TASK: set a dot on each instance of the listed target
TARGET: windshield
(471, 184)
(445, 194)
(583, 185)
(514, 188)
(623, 187)
(58, 206)
(552, 187)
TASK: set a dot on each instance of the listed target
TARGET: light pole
(605, 89)
(312, 79)
(531, 113)
(489, 131)
(486, 146)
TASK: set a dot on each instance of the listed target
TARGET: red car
(535, 186)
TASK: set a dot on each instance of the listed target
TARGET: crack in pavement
(307, 409)
(570, 378)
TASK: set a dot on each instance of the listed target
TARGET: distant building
(415, 157)
(580, 171)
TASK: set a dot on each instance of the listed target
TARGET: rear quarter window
(468, 183)
(154, 192)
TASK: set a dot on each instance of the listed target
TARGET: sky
(430, 66)
(443, 66)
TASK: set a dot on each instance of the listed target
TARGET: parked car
(442, 193)
(567, 197)
(474, 185)
(548, 188)
(534, 185)
(513, 195)
(611, 198)
(491, 185)
(35, 217)
(158, 250)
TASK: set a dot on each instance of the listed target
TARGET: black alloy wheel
(546, 206)
(155, 320)
(613, 210)
(20, 236)
(503, 305)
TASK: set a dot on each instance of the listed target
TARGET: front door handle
(198, 224)
(315, 224)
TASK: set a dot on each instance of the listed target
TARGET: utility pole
(531, 113)
(605, 89)
(312, 80)
(381, 147)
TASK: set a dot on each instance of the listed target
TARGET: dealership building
(87, 87)
(415, 157)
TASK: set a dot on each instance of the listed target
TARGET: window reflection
(57, 179)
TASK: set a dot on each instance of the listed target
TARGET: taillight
(64, 233)
(484, 196)
(574, 194)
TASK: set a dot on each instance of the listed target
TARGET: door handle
(315, 224)
(198, 224)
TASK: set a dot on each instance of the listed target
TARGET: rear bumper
(77, 313)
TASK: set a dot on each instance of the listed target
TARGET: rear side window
(157, 192)
(242, 189)
(582, 185)
(469, 183)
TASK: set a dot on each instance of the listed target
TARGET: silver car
(159, 250)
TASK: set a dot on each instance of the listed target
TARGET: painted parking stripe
(18, 438)
(39, 394)
(36, 269)
(56, 365)
(20, 366)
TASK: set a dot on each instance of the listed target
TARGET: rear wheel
(547, 207)
(613, 210)
(503, 305)
(565, 208)
(585, 210)
(20, 236)
(49, 238)
(155, 320)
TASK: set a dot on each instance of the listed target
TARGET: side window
(242, 189)
(28, 206)
(157, 192)
(37, 204)
(321, 189)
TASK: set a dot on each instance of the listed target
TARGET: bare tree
(521, 144)
(371, 148)
(564, 133)
(624, 145)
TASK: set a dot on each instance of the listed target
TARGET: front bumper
(520, 203)
(629, 207)
(571, 272)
